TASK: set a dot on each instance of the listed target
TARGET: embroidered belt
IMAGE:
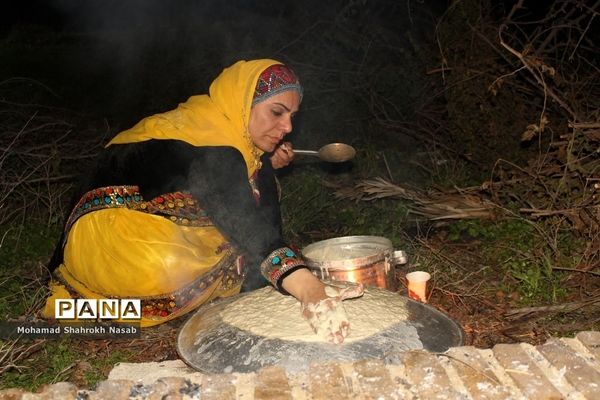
(179, 207)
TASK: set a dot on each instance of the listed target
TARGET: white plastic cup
(417, 285)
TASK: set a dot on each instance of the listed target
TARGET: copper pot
(369, 260)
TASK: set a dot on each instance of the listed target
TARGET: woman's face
(271, 119)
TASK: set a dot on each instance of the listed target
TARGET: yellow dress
(123, 251)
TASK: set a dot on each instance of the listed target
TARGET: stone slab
(149, 372)
(575, 369)
(526, 374)
(271, 383)
(374, 380)
(328, 382)
(591, 341)
(426, 377)
(477, 375)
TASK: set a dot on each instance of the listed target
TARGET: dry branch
(41, 151)
(557, 308)
(433, 205)
(14, 352)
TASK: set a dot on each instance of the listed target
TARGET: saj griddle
(210, 345)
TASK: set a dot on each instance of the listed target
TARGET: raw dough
(267, 313)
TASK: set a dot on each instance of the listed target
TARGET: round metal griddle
(208, 344)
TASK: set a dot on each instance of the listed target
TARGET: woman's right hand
(282, 156)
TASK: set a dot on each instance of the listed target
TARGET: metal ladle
(332, 152)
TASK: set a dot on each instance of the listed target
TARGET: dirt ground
(490, 314)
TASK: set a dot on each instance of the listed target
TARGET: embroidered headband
(273, 80)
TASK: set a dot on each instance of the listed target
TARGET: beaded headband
(273, 80)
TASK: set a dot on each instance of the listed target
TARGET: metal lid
(345, 248)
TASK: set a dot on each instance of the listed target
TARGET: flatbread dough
(267, 313)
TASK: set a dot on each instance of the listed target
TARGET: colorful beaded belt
(179, 207)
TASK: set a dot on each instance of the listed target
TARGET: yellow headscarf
(217, 119)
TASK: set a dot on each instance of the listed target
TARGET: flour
(267, 313)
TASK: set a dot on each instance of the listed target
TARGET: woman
(183, 207)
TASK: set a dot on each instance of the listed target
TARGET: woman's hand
(328, 317)
(282, 156)
(321, 304)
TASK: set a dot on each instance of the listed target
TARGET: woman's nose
(286, 125)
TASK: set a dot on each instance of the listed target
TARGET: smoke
(145, 56)
(133, 58)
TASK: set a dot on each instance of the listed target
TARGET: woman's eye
(277, 113)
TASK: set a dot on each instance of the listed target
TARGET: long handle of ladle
(306, 152)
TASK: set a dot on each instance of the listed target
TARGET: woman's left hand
(321, 304)
(327, 317)
(282, 156)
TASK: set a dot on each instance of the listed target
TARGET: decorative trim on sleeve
(279, 264)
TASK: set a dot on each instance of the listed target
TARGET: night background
(476, 125)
